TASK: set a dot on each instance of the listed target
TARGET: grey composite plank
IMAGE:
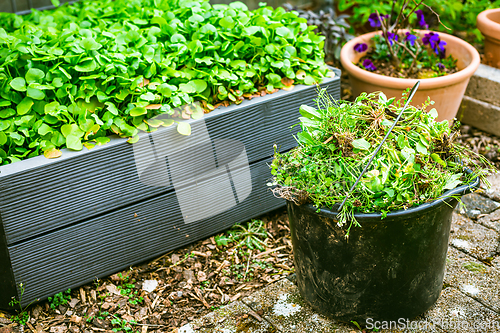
(39, 196)
(103, 245)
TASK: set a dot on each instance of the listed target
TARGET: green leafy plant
(460, 15)
(249, 234)
(223, 240)
(417, 164)
(123, 325)
(68, 80)
(102, 316)
(361, 9)
(132, 295)
(22, 315)
(61, 298)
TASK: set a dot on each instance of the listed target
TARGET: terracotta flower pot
(488, 22)
(447, 91)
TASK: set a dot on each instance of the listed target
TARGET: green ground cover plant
(417, 164)
(60, 298)
(74, 75)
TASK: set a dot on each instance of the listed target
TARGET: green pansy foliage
(81, 79)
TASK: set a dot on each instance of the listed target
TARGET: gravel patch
(457, 313)
(283, 306)
(491, 221)
(235, 317)
(473, 238)
(473, 278)
(476, 205)
(494, 191)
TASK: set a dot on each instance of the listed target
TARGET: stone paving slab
(494, 191)
(232, 318)
(485, 84)
(473, 278)
(496, 264)
(491, 221)
(283, 311)
(477, 205)
(455, 312)
(473, 238)
(283, 306)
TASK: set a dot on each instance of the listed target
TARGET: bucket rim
(445, 199)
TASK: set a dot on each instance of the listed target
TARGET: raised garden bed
(87, 214)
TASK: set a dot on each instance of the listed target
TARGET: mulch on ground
(183, 284)
(481, 142)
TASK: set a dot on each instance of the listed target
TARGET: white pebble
(149, 285)
(461, 243)
(284, 308)
(186, 329)
(469, 289)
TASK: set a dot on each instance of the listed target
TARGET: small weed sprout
(123, 325)
(127, 289)
(22, 315)
(249, 234)
(60, 298)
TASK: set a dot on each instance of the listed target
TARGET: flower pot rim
(487, 26)
(399, 83)
(444, 199)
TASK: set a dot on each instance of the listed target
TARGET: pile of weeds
(417, 164)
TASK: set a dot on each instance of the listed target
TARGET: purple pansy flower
(421, 19)
(368, 65)
(440, 66)
(426, 38)
(432, 39)
(374, 21)
(392, 37)
(410, 38)
(360, 47)
(440, 48)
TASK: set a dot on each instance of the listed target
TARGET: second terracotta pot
(488, 22)
(446, 91)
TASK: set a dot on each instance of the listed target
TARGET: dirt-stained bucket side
(387, 269)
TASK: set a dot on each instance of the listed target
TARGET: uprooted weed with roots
(417, 164)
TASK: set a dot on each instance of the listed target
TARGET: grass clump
(474, 266)
(417, 164)
(249, 234)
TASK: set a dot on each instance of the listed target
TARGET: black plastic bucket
(386, 270)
